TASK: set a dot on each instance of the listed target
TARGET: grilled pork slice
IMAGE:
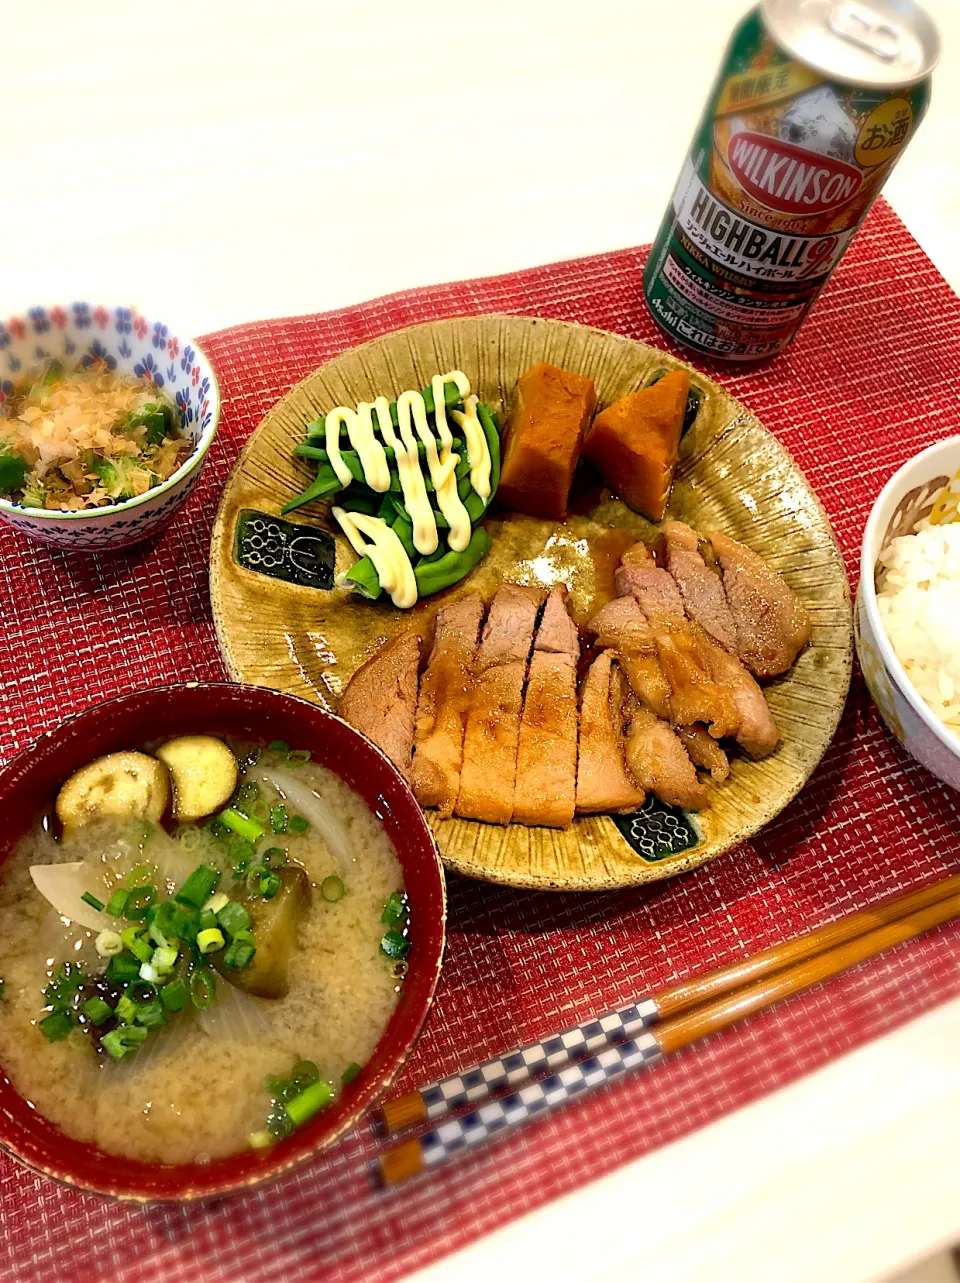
(489, 771)
(700, 587)
(603, 783)
(547, 750)
(681, 647)
(622, 626)
(771, 621)
(442, 707)
(381, 698)
(660, 763)
(757, 732)
(704, 751)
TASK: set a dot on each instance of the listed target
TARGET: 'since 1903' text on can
(814, 104)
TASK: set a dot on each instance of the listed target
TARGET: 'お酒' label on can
(783, 169)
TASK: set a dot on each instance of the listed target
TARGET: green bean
(326, 484)
(403, 528)
(491, 428)
(463, 467)
(464, 487)
(474, 505)
(364, 578)
(441, 550)
(311, 452)
(452, 567)
(388, 507)
(361, 499)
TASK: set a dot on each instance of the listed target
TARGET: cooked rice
(920, 609)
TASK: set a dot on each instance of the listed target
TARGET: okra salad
(200, 946)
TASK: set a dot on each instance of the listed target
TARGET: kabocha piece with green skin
(274, 923)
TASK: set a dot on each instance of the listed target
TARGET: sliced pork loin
(445, 690)
(603, 782)
(380, 699)
(681, 648)
(659, 762)
(700, 586)
(622, 626)
(489, 770)
(704, 751)
(547, 749)
(772, 623)
(757, 732)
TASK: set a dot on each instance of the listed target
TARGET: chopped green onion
(119, 1042)
(254, 875)
(89, 898)
(56, 1026)
(203, 988)
(350, 1073)
(164, 921)
(208, 920)
(126, 1009)
(279, 746)
(233, 917)
(394, 910)
(210, 941)
(122, 969)
(303, 1073)
(278, 818)
(394, 945)
(135, 942)
(260, 811)
(108, 944)
(332, 889)
(269, 885)
(117, 903)
(156, 935)
(149, 973)
(140, 875)
(239, 955)
(96, 1010)
(241, 824)
(309, 1102)
(260, 1140)
(174, 996)
(275, 857)
(139, 902)
(164, 959)
(247, 794)
(298, 824)
(150, 1014)
(216, 903)
(199, 886)
(298, 757)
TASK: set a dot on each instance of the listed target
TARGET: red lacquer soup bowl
(27, 787)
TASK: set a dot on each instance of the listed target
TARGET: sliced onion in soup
(234, 1016)
(313, 809)
(64, 886)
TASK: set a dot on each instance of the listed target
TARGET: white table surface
(216, 163)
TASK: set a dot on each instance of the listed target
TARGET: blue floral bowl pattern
(120, 338)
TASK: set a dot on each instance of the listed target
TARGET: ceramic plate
(282, 623)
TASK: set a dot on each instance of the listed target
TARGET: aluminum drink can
(814, 104)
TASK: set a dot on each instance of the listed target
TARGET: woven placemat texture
(872, 378)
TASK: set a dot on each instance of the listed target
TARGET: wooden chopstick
(420, 1153)
(470, 1086)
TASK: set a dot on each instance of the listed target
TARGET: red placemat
(871, 379)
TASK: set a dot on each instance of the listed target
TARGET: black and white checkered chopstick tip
(471, 1085)
(421, 1153)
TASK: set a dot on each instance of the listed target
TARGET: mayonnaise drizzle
(373, 459)
(478, 451)
(411, 406)
(385, 550)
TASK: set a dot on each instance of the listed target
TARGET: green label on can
(782, 171)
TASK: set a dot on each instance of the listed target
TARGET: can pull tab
(859, 25)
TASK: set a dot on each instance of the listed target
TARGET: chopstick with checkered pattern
(855, 939)
(513, 1068)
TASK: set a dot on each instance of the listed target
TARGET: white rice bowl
(919, 604)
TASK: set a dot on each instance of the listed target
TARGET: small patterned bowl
(906, 498)
(122, 339)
